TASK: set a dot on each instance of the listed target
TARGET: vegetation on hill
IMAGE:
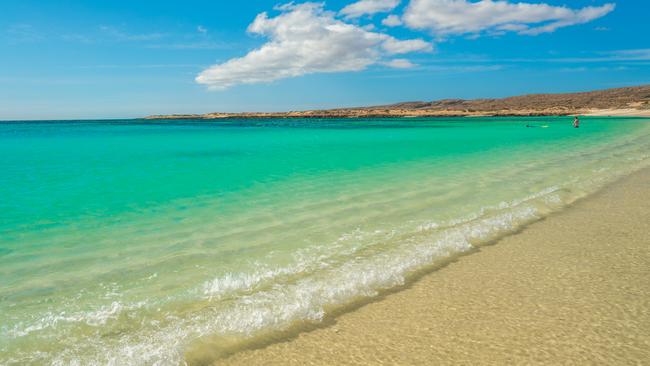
(628, 99)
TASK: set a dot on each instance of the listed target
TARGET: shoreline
(618, 113)
(359, 114)
(562, 290)
(623, 113)
(616, 102)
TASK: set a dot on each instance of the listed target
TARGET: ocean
(142, 242)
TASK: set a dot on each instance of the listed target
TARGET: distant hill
(620, 101)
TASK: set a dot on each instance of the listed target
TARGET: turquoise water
(141, 242)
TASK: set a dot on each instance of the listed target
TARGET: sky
(68, 59)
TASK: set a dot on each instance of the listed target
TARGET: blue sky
(115, 59)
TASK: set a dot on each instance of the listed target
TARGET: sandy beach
(300, 241)
(630, 112)
(299, 182)
(571, 289)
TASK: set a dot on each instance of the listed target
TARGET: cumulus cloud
(305, 39)
(369, 7)
(392, 21)
(449, 17)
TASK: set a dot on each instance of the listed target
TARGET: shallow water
(129, 242)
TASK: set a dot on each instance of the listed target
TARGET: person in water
(576, 122)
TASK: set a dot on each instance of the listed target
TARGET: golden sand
(571, 289)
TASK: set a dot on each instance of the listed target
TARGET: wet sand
(571, 289)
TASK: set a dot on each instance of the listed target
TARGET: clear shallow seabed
(140, 242)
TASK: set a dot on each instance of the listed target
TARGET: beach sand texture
(571, 289)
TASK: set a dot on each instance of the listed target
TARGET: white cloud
(305, 39)
(632, 55)
(120, 35)
(394, 46)
(392, 21)
(400, 63)
(447, 17)
(201, 29)
(191, 45)
(369, 7)
(23, 33)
